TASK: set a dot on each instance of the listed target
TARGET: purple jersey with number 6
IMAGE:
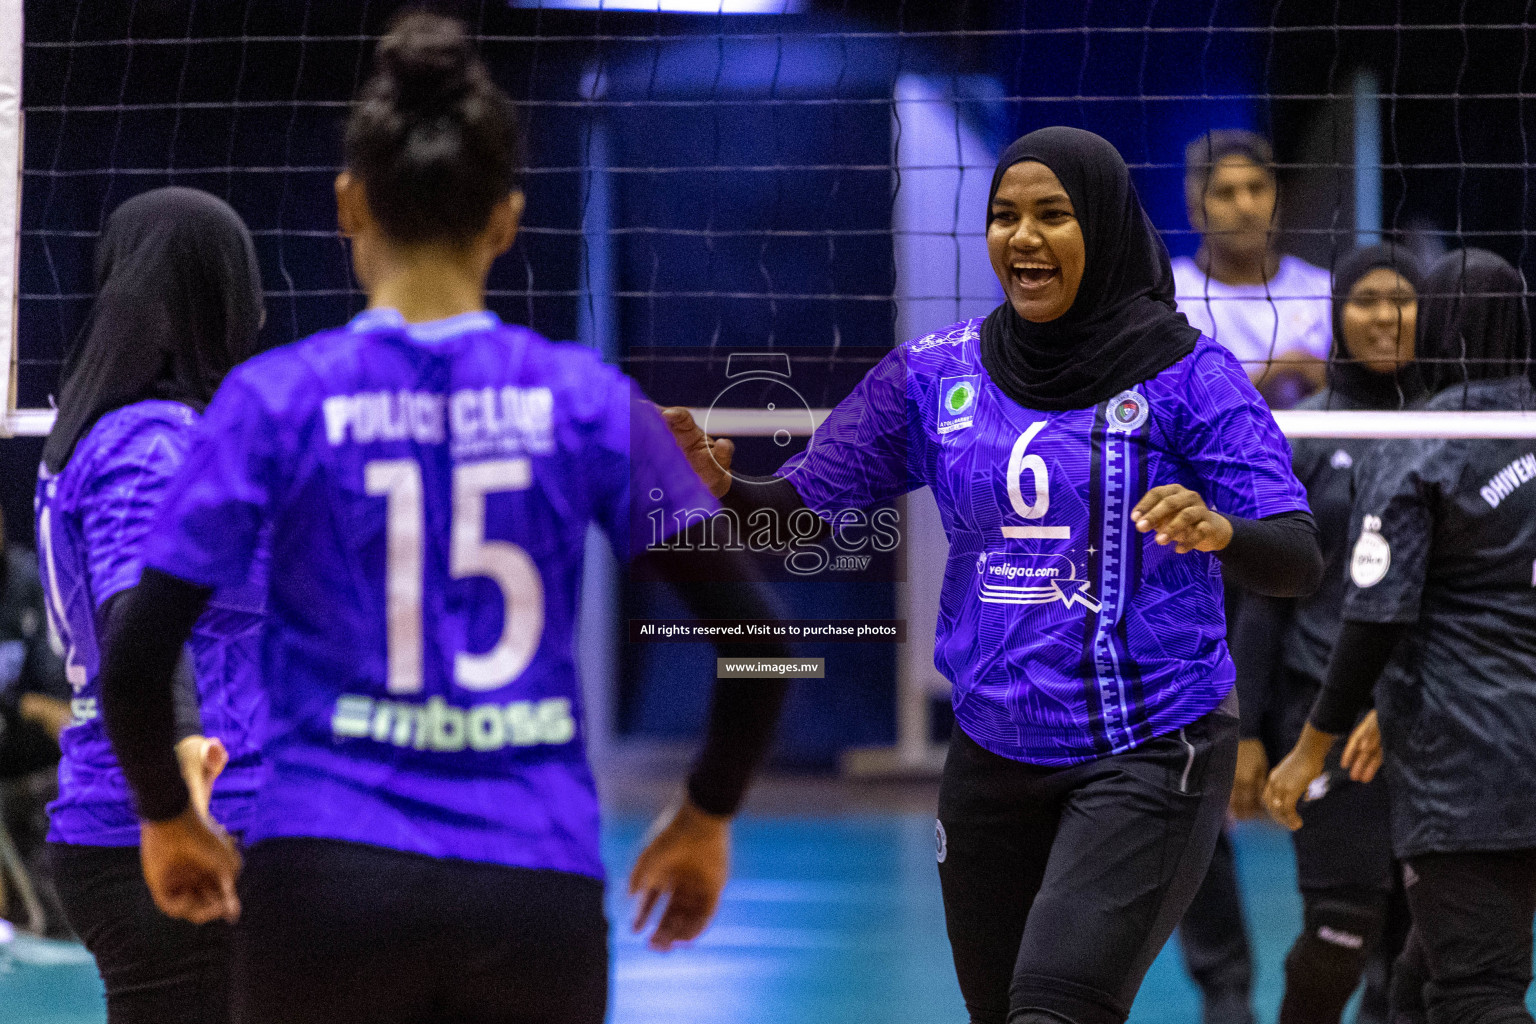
(93, 517)
(429, 489)
(1067, 634)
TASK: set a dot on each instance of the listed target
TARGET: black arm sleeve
(146, 630)
(751, 493)
(1255, 644)
(1361, 652)
(1277, 556)
(189, 716)
(743, 713)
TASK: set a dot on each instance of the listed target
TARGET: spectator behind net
(1269, 309)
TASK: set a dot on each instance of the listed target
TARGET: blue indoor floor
(825, 920)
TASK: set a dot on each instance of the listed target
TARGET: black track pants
(333, 931)
(1062, 884)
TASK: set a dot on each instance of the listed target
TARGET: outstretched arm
(687, 856)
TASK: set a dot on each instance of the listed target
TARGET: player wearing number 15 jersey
(427, 845)
(1068, 438)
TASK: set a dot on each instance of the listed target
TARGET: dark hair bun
(432, 138)
(429, 60)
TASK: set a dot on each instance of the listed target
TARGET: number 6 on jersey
(522, 591)
(1018, 462)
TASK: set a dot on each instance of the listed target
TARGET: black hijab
(1123, 327)
(178, 304)
(1346, 376)
(1473, 323)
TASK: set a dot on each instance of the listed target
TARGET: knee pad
(1328, 958)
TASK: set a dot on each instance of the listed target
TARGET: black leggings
(1062, 884)
(1468, 956)
(1344, 870)
(333, 931)
(156, 969)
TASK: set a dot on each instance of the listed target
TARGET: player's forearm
(1255, 640)
(189, 712)
(48, 713)
(749, 494)
(1359, 656)
(1277, 556)
(146, 628)
(744, 713)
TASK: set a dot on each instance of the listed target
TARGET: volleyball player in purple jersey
(1098, 465)
(178, 304)
(426, 847)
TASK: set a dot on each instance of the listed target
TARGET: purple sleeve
(121, 502)
(1230, 440)
(207, 530)
(646, 491)
(868, 450)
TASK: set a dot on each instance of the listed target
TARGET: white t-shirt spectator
(1257, 322)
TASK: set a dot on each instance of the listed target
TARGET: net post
(1367, 93)
(599, 641)
(10, 196)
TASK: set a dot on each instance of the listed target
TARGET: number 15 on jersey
(470, 554)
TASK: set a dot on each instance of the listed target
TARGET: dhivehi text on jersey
(1507, 479)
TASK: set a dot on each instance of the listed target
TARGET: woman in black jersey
(1281, 647)
(1441, 580)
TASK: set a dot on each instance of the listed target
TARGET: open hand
(1362, 754)
(686, 861)
(710, 457)
(190, 866)
(1180, 518)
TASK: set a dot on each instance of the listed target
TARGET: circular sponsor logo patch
(1127, 411)
(940, 840)
(1372, 558)
(959, 397)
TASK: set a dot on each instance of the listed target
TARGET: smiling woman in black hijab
(1122, 326)
(1079, 442)
(1376, 305)
(178, 304)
